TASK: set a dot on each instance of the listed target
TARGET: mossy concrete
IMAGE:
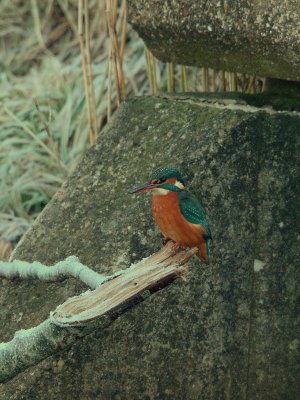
(231, 330)
(254, 37)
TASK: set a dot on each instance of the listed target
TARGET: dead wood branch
(70, 267)
(81, 315)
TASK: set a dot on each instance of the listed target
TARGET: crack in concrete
(228, 104)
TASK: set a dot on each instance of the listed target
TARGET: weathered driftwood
(91, 310)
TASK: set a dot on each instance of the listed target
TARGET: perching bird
(177, 212)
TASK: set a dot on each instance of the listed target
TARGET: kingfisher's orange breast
(173, 225)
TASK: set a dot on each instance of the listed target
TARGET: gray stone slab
(254, 37)
(230, 331)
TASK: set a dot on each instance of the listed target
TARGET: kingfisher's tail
(204, 252)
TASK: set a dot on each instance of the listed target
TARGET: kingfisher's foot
(176, 245)
(179, 247)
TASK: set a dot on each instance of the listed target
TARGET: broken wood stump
(91, 309)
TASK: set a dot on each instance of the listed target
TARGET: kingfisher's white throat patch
(179, 184)
(160, 192)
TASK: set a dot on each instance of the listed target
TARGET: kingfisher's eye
(157, 181)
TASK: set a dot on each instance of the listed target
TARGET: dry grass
(5, 250)
(44, 124)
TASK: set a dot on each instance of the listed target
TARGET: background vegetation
(65, 66)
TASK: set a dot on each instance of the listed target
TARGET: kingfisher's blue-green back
(194, 213)
(192, 210)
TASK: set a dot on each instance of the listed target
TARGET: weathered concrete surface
(230, 331)
(255, 37)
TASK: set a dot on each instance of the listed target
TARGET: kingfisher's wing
(193, 211)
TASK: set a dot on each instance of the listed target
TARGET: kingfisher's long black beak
(143, 187)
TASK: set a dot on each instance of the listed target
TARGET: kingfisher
(177, 212)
